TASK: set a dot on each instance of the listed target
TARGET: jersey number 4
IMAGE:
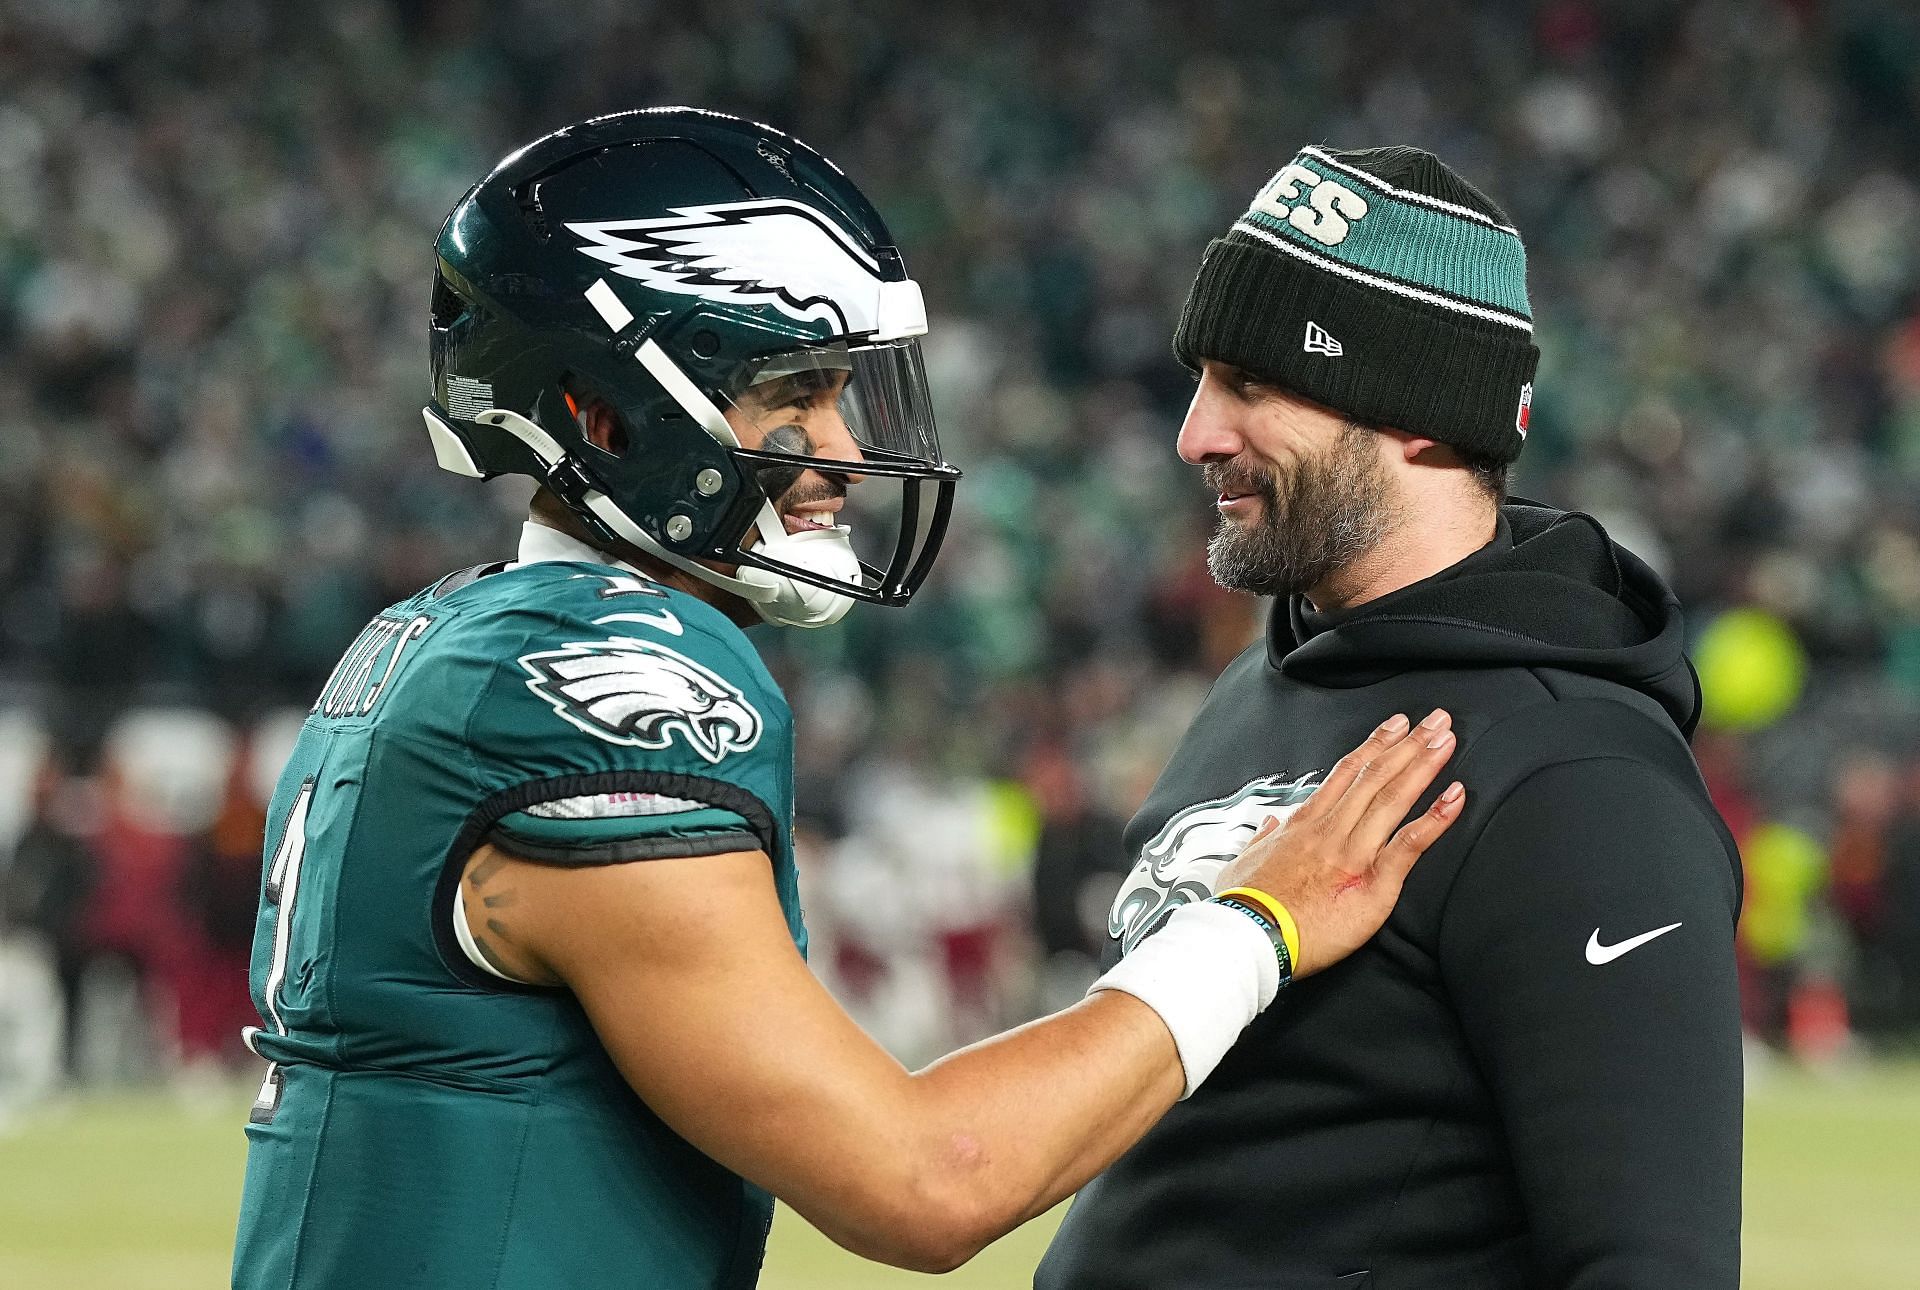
(283, 891)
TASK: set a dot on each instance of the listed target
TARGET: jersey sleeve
(615, 726)
(1587, 945)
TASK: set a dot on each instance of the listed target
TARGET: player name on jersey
(362, 674)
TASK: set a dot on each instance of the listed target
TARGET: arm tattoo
(479, 876)
(486, 952)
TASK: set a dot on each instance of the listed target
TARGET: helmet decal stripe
(612, 312)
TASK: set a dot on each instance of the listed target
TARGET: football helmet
(738, 304)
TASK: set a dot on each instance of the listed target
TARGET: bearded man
(1531, 1076)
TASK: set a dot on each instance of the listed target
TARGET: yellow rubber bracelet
(1282, 918)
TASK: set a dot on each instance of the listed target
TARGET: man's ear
(603, 427)
(1416, 450)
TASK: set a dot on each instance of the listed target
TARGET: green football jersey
(424, 1123)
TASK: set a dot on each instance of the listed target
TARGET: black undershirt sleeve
(1617, 1081)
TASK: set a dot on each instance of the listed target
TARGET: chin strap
(778, 599)
(791, 602)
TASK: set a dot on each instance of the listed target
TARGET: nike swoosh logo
(1598, 953)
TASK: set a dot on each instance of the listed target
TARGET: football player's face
(799, 414)
(1301, 490)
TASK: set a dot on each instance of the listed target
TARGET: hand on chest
(1179, 863)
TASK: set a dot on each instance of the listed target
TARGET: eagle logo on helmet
(773, 251)
(630, 691)
(1179, 865)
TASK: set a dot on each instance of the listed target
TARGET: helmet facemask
(847, 496)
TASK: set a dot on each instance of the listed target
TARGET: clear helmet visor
(841, 441)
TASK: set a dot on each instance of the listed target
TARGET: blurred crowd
(216, 220)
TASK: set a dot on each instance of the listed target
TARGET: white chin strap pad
(790, 602)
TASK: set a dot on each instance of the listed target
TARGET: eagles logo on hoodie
(1180, 864)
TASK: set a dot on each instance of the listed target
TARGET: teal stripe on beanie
(1412, 243)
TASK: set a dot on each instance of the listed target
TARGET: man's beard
(1314, 521)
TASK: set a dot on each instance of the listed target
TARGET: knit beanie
(1381, 284)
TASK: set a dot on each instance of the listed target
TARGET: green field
(138, 1193)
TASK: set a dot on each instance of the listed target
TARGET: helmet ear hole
(616, 433)
(602, 425)
(600, 422)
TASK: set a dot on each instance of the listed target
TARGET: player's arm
(691, 979)
(1588, 948)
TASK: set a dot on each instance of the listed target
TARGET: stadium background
(215, 230)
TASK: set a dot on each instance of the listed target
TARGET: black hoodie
(1531, 1077)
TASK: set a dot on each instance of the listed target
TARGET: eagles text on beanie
(1379, 283)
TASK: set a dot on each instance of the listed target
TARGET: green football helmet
(698, 274)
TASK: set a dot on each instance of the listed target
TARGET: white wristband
(1208, 972)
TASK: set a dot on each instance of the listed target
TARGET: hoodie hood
(1552, 590)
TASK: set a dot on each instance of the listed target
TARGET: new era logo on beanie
(1319, 342)
(1416, 270)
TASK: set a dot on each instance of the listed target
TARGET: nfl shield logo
(1526, 409)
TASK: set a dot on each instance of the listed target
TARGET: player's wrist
(1274, 918)
(1208, 972)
